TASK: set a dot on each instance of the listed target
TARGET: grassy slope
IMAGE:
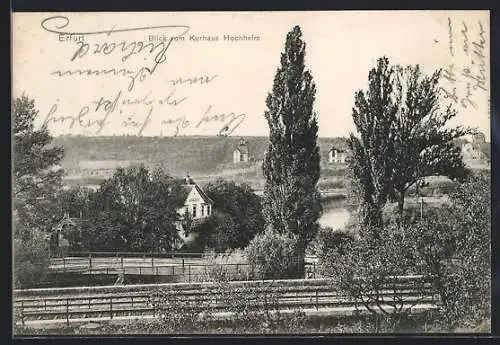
(203, 157)
(176, 155)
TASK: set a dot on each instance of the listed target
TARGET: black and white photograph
(251, 173)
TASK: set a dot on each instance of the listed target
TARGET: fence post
(90, 261)
(316, 299)
(22, 313)
(189, 273)
(152, 265)
(121, 261)
(111, 307)
(132, 301)
(182, 264)
(140, 271)
(64, 263)
(44, 304)
(67, 311)
(173, 271)
(314, 270)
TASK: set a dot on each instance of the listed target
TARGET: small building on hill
(196, 209)
(241, 152)
(337, 155)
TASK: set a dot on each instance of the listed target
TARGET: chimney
(189, 180)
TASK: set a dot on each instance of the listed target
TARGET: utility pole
(421, 183)
(421, 208)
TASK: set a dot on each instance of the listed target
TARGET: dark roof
(187, 188)
(340, 145)
(243, 149)
(484, 148)
(71, 221)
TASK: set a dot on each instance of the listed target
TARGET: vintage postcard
(251, 172)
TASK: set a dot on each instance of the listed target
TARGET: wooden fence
(183, 270)
(139, 303)
(193, 268)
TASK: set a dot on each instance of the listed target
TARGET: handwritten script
(158, 108)
(465, 81)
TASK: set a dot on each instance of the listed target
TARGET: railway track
(117, 304)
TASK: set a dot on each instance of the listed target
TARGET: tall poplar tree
(291, 167)
(372, 158)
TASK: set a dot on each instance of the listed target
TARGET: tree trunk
(401, 203)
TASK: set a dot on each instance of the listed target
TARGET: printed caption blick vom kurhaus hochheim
(206, 38)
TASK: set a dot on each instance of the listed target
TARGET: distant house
(197, 208)
(337, 155)
(478, 151)
(241, 152)
(479, 138)
(101, 168)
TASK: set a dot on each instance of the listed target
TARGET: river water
(335, 214)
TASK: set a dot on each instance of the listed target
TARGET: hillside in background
(176, 155)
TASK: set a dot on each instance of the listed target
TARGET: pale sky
(341, 47)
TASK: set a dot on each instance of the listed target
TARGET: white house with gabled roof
(197, 208)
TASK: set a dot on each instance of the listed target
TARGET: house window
(208, 210)
(202, 210)
(194, 211)
(186, 211)
(242, 158)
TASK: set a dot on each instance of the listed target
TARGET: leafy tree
(402, 137)
(372, 158)
(449, 248)
(291, 202)
(36, 172)
(274, 255)
(74, 201)
(138, 210)
(36, 179)
(453, 247)
(238, 217)
(423, 145)
(328, 241)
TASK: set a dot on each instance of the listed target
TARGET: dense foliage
(135, 210)
(291, 164)
(402, 137)
(275, 255)
(36, 180)
(449, 247)
(238, 216)
(453, 248)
